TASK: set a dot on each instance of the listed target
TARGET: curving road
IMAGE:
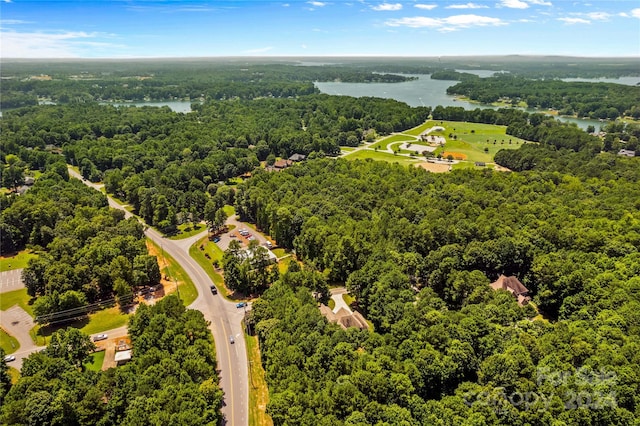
(225, 320)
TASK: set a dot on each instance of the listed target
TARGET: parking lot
(11, 280)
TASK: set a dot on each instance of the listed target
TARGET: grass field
(95, 361)
(104, 320)
(19, 261)
(258, 390)
(381, 156)
(186, 230)
(8, 343)
(471, 140)
(16, 297)
(170, 268)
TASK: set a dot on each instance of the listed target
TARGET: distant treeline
(90, 81)
(593, 100)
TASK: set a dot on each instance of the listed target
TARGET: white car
(98, 337)
(9, 358)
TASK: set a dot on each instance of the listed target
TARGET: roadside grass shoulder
(258, 390)
(19, 261)
(8, 343)
(170, 268)
(215, 253)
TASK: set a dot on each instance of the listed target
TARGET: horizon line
(323, 56)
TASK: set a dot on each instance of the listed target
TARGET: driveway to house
(225, 321)
(336, 295)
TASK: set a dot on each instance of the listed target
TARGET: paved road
(224, 318)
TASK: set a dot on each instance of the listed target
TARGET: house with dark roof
(513, 286)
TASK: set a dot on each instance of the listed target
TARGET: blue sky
(147, 28)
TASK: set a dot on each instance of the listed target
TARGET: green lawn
(16, 297)
(186, 230)
(18, 261)
(381, 156)
(345, 149)
(97, 322)
(104, 320)
(348, 299)
(384, 143)
(279, 252)
(207, 264)
(331, 304)
(229, 210)
(95, 361)
(8, 343)
(421, 128)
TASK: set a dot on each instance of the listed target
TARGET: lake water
(627, 81)
(176, 106)
(424, 92)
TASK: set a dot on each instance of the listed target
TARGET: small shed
(123, 357)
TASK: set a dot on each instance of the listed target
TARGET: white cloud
(514, 4)
(467, 6)
(599, 16)
(636, 13)
(259, 50)
(540, 2)
(572, 21)
(68, 44)
(317, 3)
(451, 23)
(425, 6)
(387, 7)
(14, 22)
